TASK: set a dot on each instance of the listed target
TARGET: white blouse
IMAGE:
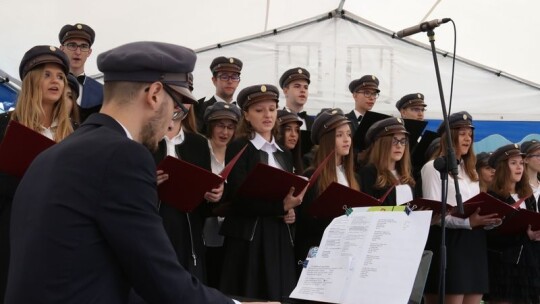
(431, 188)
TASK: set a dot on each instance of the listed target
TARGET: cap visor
(189, 98)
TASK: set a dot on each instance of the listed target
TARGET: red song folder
(336, 198)
(269, 183)
(187, 183)
(19, 148)
(487, 204)
(519, 221)
(426, 204)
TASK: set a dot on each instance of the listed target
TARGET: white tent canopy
(337, 48)
(495, 33)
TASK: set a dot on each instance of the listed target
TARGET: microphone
(422, 27)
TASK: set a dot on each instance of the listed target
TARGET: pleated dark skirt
(263, 268)
(467, 267)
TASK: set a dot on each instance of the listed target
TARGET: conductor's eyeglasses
(72, 46)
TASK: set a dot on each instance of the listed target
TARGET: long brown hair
(501, 183)
(327, 144)
(469, 159)
(29, 109)
(380, 155)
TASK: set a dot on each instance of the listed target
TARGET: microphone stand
(446, 164)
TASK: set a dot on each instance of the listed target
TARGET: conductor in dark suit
(86, 229)
(226, 78)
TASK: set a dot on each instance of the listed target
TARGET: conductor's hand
(534, 235)
(292, 201)
(477, 220)
(161, 176)
(214, 195)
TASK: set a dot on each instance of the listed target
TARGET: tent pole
(341, 4)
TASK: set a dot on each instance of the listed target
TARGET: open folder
(187, 183)
(519, 221)
(487, 204)
(427, 204)
(337, 198)
(269, 183)
(20, 147)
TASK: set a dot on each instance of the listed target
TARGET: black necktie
(302, 114)
(359, 118)
(80, 79)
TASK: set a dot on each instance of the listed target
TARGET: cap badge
(419, 96)
(399, 120)
(226, 106)
(231, 60)
(263, 88)
(516, 146)
(464, 116)
(52, 48)
(334, 112)
(299, 71)
(373, 77)
(79, 26)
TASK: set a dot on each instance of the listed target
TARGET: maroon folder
(187, 183)
(269, 183)
(487, 204)
(426, 204)
(336, 198)
(519, 221)
(20, 147)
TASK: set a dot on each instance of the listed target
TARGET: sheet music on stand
(369, 256)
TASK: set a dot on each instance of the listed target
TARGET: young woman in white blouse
(466, 258)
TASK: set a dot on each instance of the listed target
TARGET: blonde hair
(379, 156)
(327, 144)
(29, 109)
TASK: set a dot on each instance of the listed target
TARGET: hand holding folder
(20, 147)
(188, 183)
(519, 222)
(487, 204)
(278, 182)
(337, 198)
(426, 204)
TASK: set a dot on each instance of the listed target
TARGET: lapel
(280, 159)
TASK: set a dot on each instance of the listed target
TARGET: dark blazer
(185, 229)
(511, 248)
(8, 185)
(86, 229)
(368, 179)
(354, 121)
(91, 99)
(92, 93)
(244, 212)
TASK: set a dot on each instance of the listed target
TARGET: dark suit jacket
(91, 99)
(92, 94)
(85, 229)
(354, 121)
